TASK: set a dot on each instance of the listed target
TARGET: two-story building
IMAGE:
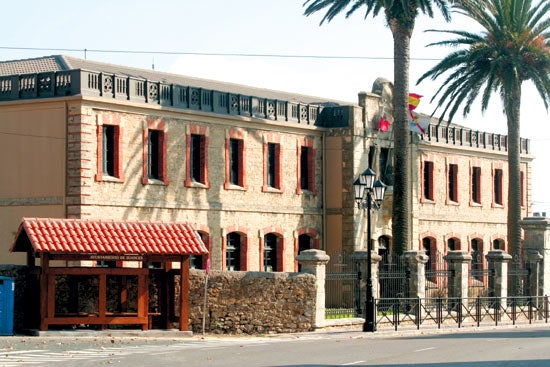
(260, 174)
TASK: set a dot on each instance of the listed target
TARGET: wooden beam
(184, 293)
(44, 262)
(143, 300)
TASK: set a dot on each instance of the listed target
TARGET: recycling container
(7, 287)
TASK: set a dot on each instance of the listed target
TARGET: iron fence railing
(472, 311)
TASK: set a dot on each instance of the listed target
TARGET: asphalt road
(452, 348)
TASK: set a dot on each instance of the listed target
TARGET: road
(475, 348)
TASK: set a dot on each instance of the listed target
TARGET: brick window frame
(115, 122)
(452, 183)
(243, 255)
(498, 186)
(307, 143)
(475, 186)
(201, 131)
(274, 141)
(314, 242)
(522, 188)
(157, 125)
(238, 135)
(427, 182)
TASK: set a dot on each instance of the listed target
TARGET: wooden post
(143, 300)
(102, 298)
(184, 293)
(44, 262)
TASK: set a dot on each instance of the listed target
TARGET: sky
(215, 39)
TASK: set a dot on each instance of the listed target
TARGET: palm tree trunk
(401, 208)
(512, 107)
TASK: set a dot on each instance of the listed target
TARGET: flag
(418, 124)
(414, 100)
(384, 125)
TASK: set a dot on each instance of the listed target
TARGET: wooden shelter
(109, 264)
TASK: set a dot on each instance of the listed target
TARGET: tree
(512, 47)
(400, 17)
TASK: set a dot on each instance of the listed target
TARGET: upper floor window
(154, 153)
(109, 154)
(272, 166)
(234, 161)
(428, 180)
(306, 168)
(453, 182)
(386, 166)
(522, 188)
(197, 160)
(476, 185)
(497, 187)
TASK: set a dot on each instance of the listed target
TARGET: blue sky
(268, 27)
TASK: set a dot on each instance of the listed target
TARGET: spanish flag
(414, 100)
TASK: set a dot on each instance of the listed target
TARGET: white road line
(423, 350)
(351, 363)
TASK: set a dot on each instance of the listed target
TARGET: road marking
(351, 363)
(423, 350)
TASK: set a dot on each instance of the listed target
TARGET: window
(234, 163)
(272, 166)
(497, 187)
(431, 264)
(452, 244)
(196, 155)
(386, 166)
(453, 182)
(109, 152)
(306, 167)
(476, 185)
(477, 259)
(270, 252)
(498, 244)
(154, 153)
(199, 261)
(428, 180)
(233, 252)
(522, 188)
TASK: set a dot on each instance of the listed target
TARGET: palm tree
(400, 17)
(513, 47)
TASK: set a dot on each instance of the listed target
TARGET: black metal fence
(342, 287)
(471, 311)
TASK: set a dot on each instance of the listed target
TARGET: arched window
(452, 244)
(477, 258)
(233, 251)
(383, 246)
(197, 261)
(270, 252)
(498, 244)
(305, 242)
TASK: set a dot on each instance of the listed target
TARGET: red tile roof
(77, 236)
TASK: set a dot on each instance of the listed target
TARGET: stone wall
(252, 302)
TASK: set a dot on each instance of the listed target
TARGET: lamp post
(369, 194)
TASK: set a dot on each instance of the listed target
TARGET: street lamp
(369, 194)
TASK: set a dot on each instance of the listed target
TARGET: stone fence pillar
(498, 275)
(361, 258)
(536, 244)
(457, 264)
(416, 261)
(315, 262)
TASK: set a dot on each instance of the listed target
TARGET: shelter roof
(78, 236)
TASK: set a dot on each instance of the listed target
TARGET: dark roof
(63, 63)
(79, 236)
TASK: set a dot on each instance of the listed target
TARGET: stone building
(261, 174)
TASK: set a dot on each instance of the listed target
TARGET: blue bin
(7, 287)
